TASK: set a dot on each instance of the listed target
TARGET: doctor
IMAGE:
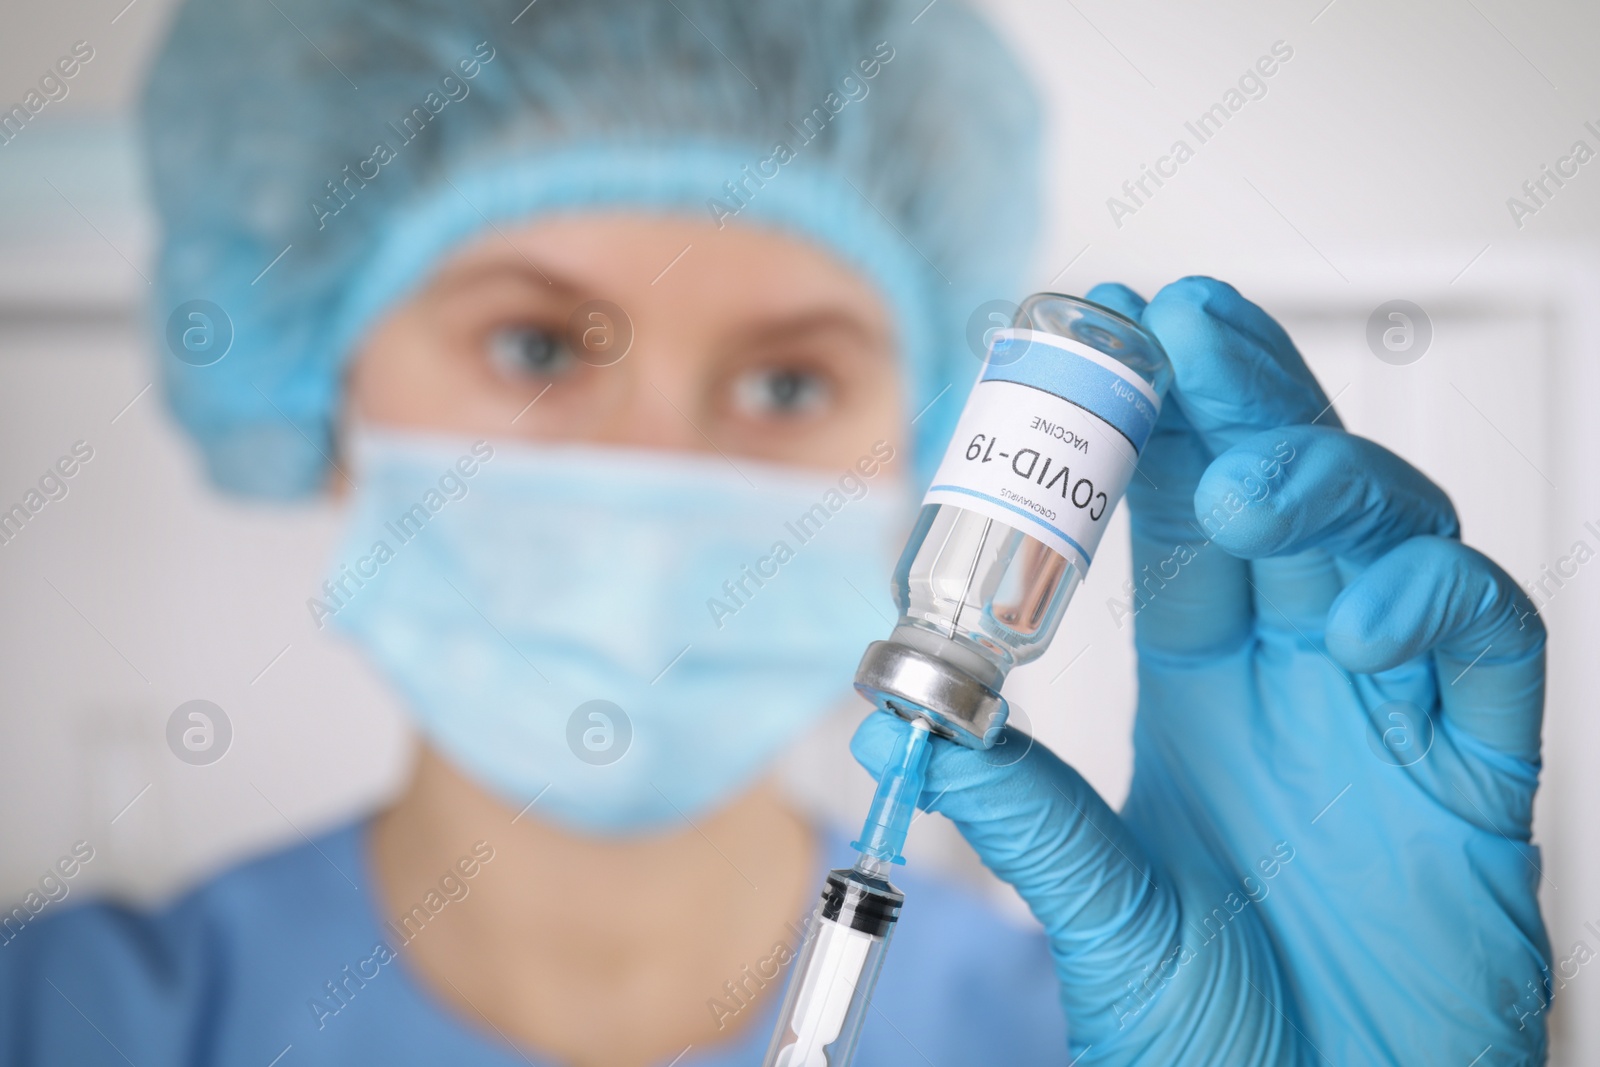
(579, 309)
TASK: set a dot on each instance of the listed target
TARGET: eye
(529, 352)
(782, 392)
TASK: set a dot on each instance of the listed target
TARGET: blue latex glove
(1324, 856)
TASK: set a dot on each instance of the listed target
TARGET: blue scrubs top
(236, 973)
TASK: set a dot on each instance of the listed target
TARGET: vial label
(1048, 440)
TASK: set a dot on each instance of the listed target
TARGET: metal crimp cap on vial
(915, 685)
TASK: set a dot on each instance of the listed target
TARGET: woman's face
(743, 341)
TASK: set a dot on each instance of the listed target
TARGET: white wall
(1377, 166)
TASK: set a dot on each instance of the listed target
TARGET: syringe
(848, 935)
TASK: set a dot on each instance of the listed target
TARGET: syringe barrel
(831, 986)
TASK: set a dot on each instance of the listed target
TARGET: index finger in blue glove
(1040, 827)
(1119, 298)
(1236, 373)
(1235, 370)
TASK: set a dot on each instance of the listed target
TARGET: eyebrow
(526, 270)
(804, 324)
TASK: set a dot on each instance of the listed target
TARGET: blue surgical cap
(312, 161)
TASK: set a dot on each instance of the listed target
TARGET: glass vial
(1043, 451)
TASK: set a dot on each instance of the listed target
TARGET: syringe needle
(883, 835)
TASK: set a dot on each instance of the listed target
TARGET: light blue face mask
(629, 636)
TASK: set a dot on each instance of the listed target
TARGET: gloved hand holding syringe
(1042, 453)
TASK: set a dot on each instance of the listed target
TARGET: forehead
(666, 264)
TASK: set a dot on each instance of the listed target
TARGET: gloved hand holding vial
(1339, 703)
